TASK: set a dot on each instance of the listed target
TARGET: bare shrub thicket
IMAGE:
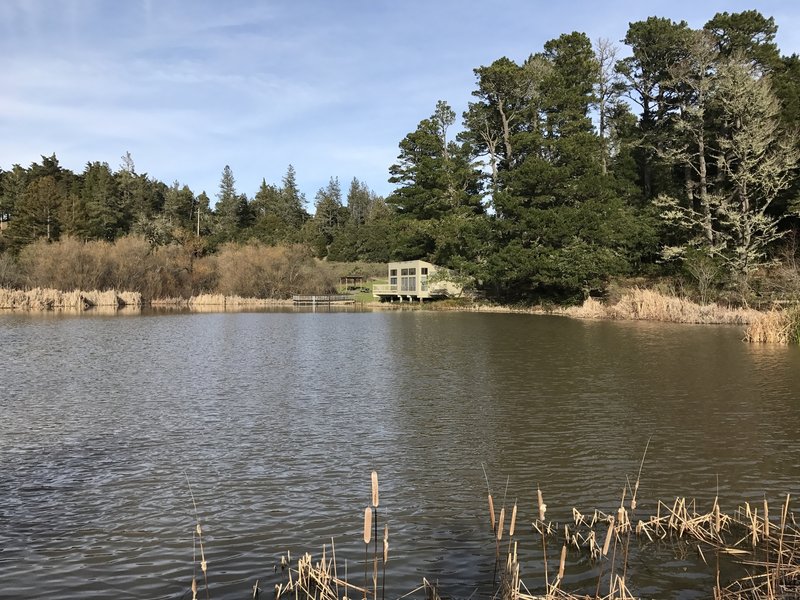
(173, 271)
(129, 264)
(10, 276)
(277, 272)
(66, 265)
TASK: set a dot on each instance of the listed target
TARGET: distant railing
(324, 299)
(384, 288)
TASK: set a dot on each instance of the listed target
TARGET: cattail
(367, 525)
(491, 511)
(766, 519)
(607, 543)
(542, 505)
(717, 517)
(385, 544)
(500, 524)
(513, 520)
(375, 489)
(194, 588)
(563, 561)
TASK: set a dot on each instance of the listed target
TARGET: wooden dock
(324, 300)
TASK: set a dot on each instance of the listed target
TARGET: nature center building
(416, 280)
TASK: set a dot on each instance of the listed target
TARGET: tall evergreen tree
(231, 210)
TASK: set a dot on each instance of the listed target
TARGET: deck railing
(384, 288)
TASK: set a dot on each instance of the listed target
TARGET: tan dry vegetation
(175, 271)
(279, 272)
(651, 305)
(764, 541)
(775, 327)
(50, 299)
(130, 263)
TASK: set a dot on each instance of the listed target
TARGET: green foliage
(553, 185)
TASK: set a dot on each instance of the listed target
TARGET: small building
(414, 280)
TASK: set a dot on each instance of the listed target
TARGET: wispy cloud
(332, 87)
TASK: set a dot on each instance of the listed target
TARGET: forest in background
(675, 156)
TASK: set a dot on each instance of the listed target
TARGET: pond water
(276, 420)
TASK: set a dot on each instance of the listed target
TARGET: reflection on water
(277, 419)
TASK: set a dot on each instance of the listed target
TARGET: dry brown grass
(775, 327)
(650, 305)
(40, 299)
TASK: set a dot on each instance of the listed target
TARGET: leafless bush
(66, 265)
(9, 272)
(277, 272)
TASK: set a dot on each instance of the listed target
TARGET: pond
(273, 422)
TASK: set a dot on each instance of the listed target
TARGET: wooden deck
(324, 300)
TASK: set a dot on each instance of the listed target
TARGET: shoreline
(780, 326)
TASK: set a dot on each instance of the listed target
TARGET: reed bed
(764, 541)
(767, 549)
(650, 305)
(775, 327)
(43, 299)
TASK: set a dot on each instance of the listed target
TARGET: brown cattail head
(513, 520)
(563, 561)
(542, 505)
(375, 489)
(491, 512)
(500, 524)
(766, 519)
(367, 525)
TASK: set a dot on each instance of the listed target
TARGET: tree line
(568, 168)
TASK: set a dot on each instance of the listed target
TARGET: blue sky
(331, 86)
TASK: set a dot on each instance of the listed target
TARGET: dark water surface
(277, 420)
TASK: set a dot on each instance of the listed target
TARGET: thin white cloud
(189, 86)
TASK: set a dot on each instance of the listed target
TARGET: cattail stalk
(542, 511)
(367, 537)
(375, 502)
(385, 559)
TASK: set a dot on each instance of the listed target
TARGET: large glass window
(408, 280)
